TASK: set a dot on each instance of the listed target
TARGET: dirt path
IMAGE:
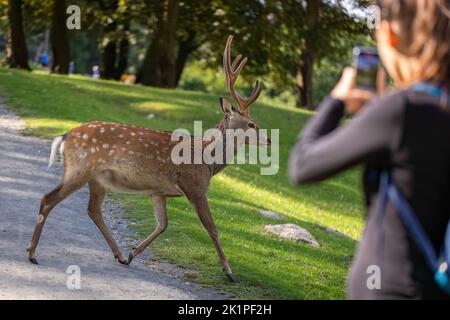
(69, 237)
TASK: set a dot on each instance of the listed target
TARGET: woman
(406, 132)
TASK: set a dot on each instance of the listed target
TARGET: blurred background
(297, 47)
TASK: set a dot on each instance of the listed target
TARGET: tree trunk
(124, 48)
(185, 48)
(166, 64)
(108, 69)
(305, 69)
(304, 81)
(17, 52)
(60, 40)
(148, 73)
(158, 68)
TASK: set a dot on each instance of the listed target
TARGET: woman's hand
(346, 90)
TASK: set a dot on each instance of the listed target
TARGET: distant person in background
(43, 60)
(96, 72)
(405, 132)
(71, 67)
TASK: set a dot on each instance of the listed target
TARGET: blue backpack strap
(446, 249)
(442, 276)
(433, 89)
(440, 266)
(384, 179)
(414, 227)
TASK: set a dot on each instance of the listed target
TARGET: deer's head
(239, 118)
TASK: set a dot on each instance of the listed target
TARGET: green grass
(266, 267)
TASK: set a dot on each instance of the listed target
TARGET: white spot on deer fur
(102, 130)
(120, 135)
(146, 145)
(105, 146)
(124, 149)
(131, 152)
(128, 142)
(110, 152)
(133, 134)
(141, 133)
(85, 136)
(92, 150)
(94, 140)
(112, 128)
(97, 149)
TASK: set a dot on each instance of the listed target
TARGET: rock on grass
(292, 232)
(271, 215)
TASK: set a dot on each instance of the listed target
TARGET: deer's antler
(231, 74)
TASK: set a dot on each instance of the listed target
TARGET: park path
(69, 236)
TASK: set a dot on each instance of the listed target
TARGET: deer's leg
(96, 198)
(160, 211)
(201, 206)
(48, 202)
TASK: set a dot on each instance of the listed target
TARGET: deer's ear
(226, 106)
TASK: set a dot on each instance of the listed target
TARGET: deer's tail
(56, 142)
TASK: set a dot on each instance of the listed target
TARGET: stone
(338, 233)
(271, 215)
(292, 232)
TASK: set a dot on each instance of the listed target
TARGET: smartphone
(367, 63)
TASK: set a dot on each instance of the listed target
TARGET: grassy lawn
(266, 267)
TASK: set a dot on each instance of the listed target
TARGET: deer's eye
(251, 125)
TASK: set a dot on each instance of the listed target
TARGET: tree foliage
(285, 40)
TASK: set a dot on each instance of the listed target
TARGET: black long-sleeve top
(407, 132)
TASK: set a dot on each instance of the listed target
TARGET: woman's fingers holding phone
(346, 90)
(345, 84)
(381, 81)
(356, 99)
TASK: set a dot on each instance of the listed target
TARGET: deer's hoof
(130, 258)
(33, 260)
(231, 277)
(122, 261)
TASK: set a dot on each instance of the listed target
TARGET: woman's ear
(390, 30)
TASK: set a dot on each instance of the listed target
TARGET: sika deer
(131, 159)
